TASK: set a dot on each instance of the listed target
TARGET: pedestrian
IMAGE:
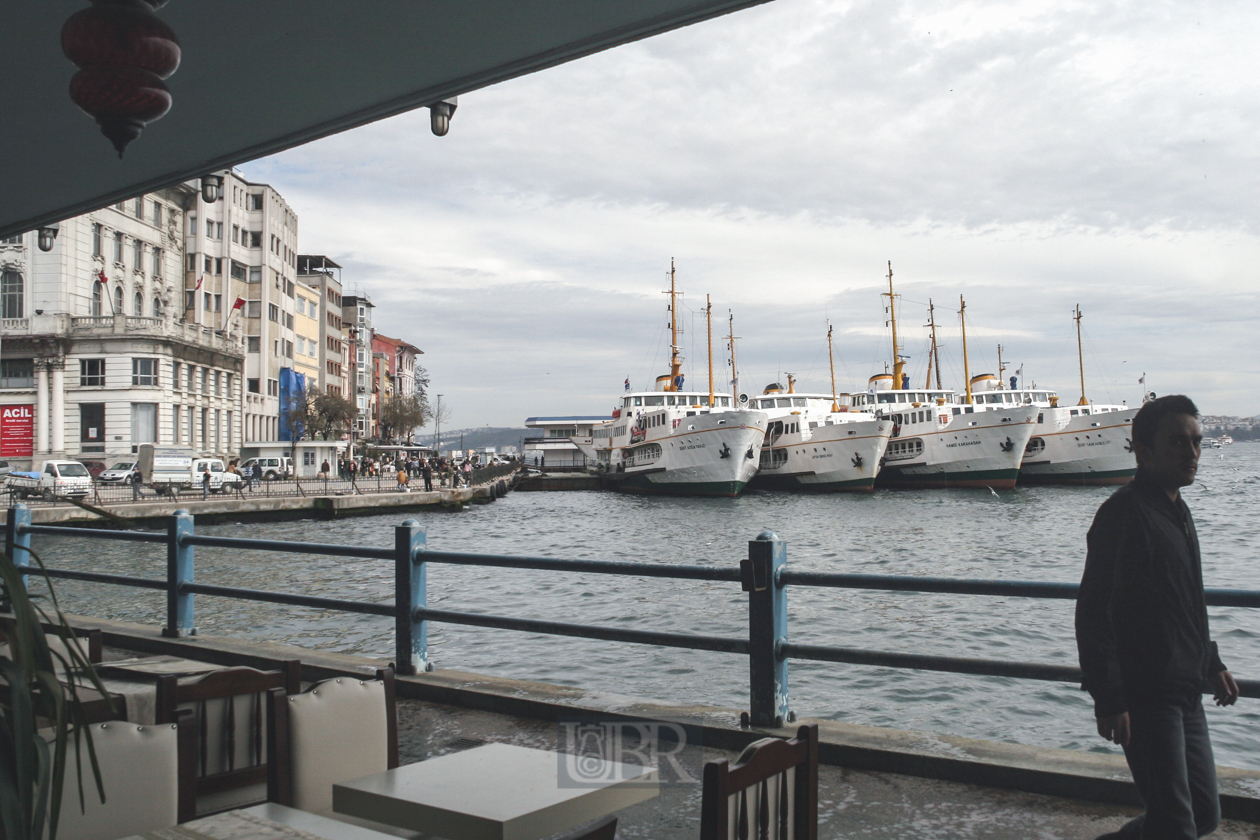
(402, 481)
(427, 469)
(467, 472)
(136, 479)
(205, 480)
(325, 468)
(1142, 630)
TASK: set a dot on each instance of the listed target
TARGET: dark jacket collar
(1155, 495)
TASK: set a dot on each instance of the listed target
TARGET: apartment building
(241, 268)
(323, 276)
(356, 317)
(97, 352)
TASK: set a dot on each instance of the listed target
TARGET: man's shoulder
(1126, 501)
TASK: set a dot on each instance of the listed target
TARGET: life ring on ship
(944, 419)
(616, 413)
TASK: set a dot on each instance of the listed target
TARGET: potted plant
(39, 710)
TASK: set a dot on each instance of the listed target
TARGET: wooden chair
(148, 775)
(605, 829)
(782, 777)
(340, 729)
(229, 715)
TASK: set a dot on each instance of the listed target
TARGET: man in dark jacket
(1142, 630)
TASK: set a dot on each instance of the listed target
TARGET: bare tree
(400, 416)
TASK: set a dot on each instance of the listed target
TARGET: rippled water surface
(1034, 534)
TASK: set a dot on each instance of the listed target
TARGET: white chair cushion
(139, 770)
(337, 732)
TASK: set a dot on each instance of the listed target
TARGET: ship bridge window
(638, 400)
(887, 398)
(798, 401)
(625, 402)
(783, 403)
(654, 400)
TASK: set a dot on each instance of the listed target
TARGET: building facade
(97, 354)
(323, 276)
(356, 317)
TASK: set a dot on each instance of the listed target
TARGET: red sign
(17, 428)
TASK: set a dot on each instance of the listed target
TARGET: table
(265, 822)
(496, 792)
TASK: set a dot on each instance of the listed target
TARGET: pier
(1004, 773)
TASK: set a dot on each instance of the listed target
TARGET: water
(1034, 534)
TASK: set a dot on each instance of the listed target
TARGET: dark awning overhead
(258, 76)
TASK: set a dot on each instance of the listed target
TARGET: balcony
(123, 326)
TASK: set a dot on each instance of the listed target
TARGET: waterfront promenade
(444, 711)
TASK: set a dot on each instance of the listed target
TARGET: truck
(168, 469)
(56, 478)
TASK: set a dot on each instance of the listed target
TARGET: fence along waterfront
(763, 575)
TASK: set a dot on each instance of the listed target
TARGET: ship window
(726, 402)
(887, 398)
(638, 400)
(625, 402)
(1075, 412)
(799, 401)
(654, 400)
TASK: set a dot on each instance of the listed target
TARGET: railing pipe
(767, 629)
(327, 549)
(912, 583)
(179, 571)
(17, 540)
(96, 533)
(99, 577)
(604, 567)
(588, 631)
(410, 595)
(315, 601)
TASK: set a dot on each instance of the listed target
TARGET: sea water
(1025, 534)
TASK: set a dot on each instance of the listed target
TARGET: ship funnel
(881, 382)
(663, 382)
(982, 382)
(773, 388)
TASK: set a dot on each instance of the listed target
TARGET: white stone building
(95, 354)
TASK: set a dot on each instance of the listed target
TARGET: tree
(331, 415)
(402, 415)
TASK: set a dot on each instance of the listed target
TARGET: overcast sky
(1030, 158)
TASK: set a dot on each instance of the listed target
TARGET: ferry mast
(899, 364)
(708, 318)
(962, 313)
(734, 370)
(1080, 353)
(675, 362)
(934, 360)
(831, 356)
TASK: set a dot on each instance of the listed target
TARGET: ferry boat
(1088, 444)
(938, 440)
(815, 443)
(670, 441)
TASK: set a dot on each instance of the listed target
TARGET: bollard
(17, 543)
(179, 570)
(410, 594)
(767, 629)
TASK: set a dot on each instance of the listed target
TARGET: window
(215, 379)
(192, 262)
(207, 301)
(208, 265)
(17, 373)
(157, 213)
(143, 424)
(205, 427)
(139, 304)
(10, 295)
(228, 431)
(175, 424)
(157, 307)
(239, 272)
(91, 373)
(205, 381)
(301, 305)
(96, 300)
(288, 349)
(251, 385)
(227, 384)
(118, 246)
(175, 383)
(118, 300)
(314, 348)
(218, 265)
(255, 201)
(190, 414)
(273, 312)
(209, 229)
(218, 303)
(288, 320)
(92, 427)
(139, 208)
(253, 309)
(253, 344)
(144, 372)
(308, 459)
(289, 288)
(137, 255)
(236, 233)
(255, 239)
(190, 299)
(157, 263)
(255, 274)
(192, 378)
(98, 246)
(273, 387)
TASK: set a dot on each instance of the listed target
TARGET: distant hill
(479, 437)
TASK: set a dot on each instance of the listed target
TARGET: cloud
(1031, 157)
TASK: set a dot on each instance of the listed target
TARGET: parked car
(58, 478)
(120, 473)
(94, 468)
(5, 467)
(270, 468)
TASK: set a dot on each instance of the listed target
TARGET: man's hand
(1224, 688)
(1116, 728)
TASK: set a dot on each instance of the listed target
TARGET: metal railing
(764, 576)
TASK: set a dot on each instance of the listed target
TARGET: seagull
(994, 492)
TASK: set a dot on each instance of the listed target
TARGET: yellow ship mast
(1080, 353)
(898, 363)
(1001, 369)
(708, 317)
(734, 370)
(934, 360)
(675, 363)
(835, 405)
(962, 312)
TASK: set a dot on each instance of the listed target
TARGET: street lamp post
(437, 426)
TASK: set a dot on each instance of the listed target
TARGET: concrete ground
(853, 803)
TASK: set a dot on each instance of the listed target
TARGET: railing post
(767, 629)
(16, 543)
(410, 593)
(179, 570)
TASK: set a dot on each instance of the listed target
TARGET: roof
(257, 78)
(572, 418)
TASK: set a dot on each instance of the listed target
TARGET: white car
(120, 473)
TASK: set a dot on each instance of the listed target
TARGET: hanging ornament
(124, 51)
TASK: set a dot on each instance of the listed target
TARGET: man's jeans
(1170, 756)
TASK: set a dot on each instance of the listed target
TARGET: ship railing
(763, 575)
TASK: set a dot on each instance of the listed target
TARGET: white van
(268, 468)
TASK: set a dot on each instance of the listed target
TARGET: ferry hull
(644, 485)
(800, 484)
(709, 455)
(1083, 450)
(973, 450)
(834, 458)
(1000, 479)
(1082, 478)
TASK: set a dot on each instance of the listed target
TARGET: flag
(200, 280)
(1142, 381)
(101, 278)
(1020, 372)
(627, 383)
(239, 303)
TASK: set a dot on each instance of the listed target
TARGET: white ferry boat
(675, 442)
(937, 442)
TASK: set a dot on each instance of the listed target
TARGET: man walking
(1142, 630)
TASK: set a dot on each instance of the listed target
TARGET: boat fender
(503, 487)
(492, 492)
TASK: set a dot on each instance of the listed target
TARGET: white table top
(497, 792)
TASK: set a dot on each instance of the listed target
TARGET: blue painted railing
(763, 575)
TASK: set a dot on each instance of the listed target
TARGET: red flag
(200, 280)
(239, 303)
(101, 278)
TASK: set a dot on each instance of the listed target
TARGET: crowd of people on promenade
(408, 471)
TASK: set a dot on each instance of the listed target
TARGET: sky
(1028, 157)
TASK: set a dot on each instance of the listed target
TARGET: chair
(340, 729)
(783, 778)
(605, 829)
(230, 749)
(147, 777)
